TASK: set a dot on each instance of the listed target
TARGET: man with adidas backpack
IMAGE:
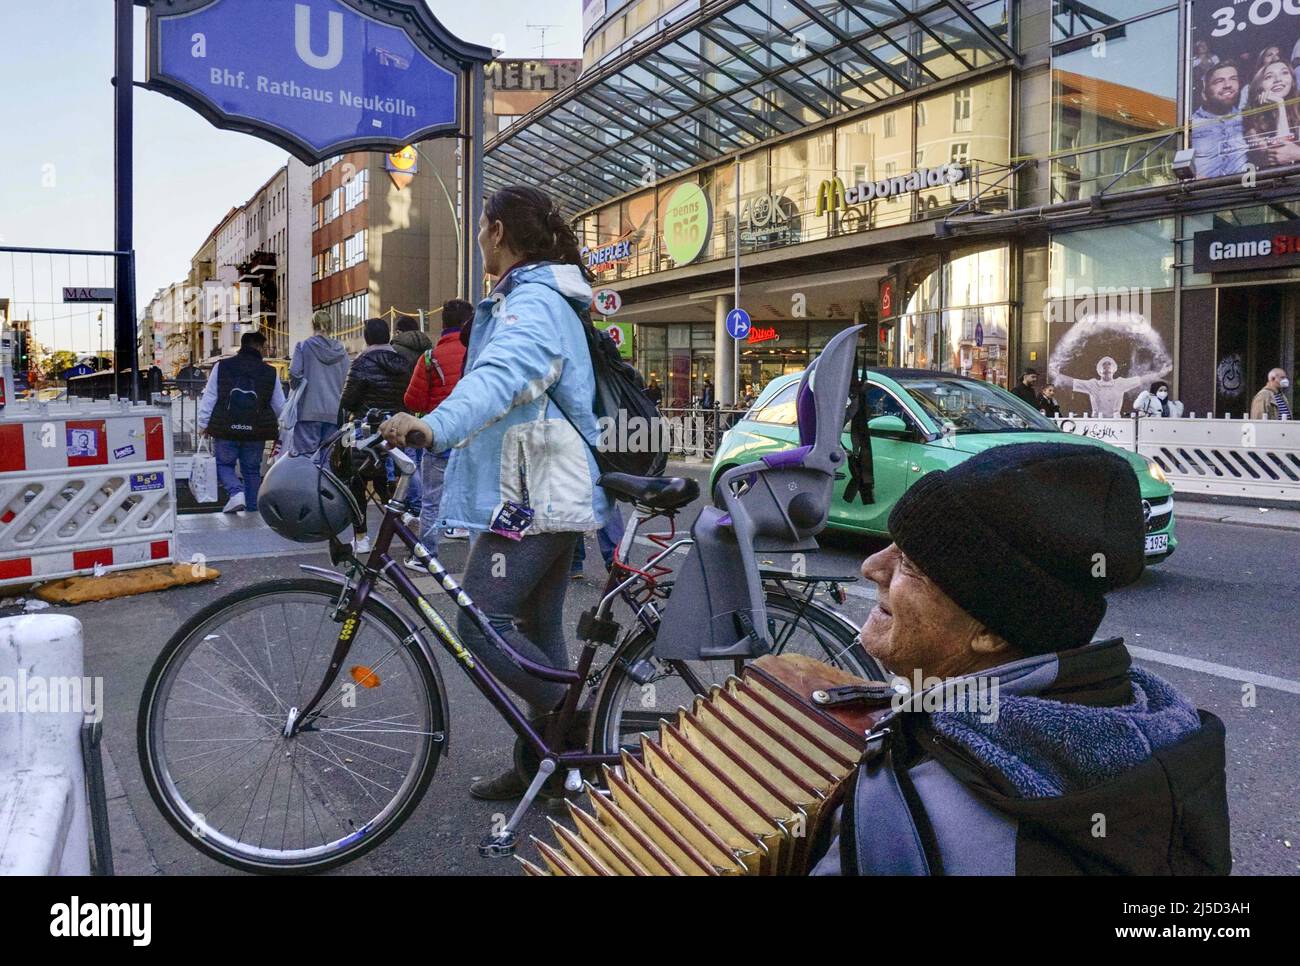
(239, 409)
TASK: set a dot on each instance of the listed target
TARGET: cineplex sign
(832, 194)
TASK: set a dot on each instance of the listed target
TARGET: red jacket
(432, 383)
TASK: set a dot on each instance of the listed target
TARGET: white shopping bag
(281, 446)
(289, 414)
(203, 473)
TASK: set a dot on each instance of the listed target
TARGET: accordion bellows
(734, 786)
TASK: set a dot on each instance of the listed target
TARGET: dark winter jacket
(436, 373)
(242, 399)
(1089, 766)
(377, 381)
(323, 362)
(411, 345)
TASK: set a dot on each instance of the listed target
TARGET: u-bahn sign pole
(316, 77)
(124, 325)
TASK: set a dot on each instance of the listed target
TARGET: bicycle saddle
(655, 492)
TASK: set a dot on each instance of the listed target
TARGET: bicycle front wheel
(211, 730)
(626, 708)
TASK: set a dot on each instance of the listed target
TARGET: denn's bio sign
(318, 77)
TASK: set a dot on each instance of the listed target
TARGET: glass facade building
(986, 186)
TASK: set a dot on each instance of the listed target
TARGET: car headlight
(1156, 472)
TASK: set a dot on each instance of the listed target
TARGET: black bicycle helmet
(304, 502)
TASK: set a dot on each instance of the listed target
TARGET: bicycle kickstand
(502, 844)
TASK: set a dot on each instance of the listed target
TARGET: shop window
(1077, 18)
(1134, 256)
(982, 144)
(1114, 96)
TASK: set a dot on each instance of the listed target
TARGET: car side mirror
(888, 426)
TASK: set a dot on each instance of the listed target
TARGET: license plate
(1157, 543)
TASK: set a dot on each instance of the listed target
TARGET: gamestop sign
(1254, 248)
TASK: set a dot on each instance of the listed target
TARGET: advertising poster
(1244, 64)
(1104, 351)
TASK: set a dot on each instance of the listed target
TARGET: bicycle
(359, 732)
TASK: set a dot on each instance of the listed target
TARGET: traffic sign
(607, 302)
(738, 324)
(318, 77)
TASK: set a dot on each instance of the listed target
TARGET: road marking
(1217, 670)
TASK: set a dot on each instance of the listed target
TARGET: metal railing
(696, 432)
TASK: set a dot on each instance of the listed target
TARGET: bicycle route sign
(317, 77)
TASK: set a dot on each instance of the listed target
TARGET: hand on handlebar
(403, 429)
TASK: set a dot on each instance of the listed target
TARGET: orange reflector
(364, 676)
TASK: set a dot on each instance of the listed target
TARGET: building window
(961, 109)
(356, 190)
(354, 249)
(1112, 115)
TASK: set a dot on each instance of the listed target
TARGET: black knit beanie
(1028, 538)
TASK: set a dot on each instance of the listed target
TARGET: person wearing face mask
(1270, 402)
(1155, 401)
(1069, 729)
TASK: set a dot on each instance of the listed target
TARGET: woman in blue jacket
(521, 477)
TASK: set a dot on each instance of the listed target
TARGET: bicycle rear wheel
(213, 715)
(626, 708)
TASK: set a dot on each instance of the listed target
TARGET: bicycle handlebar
(376, 443)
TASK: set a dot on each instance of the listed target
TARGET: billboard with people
(1243, 67)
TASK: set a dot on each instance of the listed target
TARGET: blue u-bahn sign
(318, 77)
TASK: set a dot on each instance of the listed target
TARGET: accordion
(735, 785)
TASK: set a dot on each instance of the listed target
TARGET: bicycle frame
(381, 564)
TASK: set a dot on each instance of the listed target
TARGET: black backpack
(634, 437)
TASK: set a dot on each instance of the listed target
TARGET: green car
(923, 421)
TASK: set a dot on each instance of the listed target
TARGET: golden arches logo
(831, 195)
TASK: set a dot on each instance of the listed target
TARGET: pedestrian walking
(1047, 403)
(239, 408)
(409, 340)
(1155, 401)
(377, 380)
(319, 369)
(1027, 388)
(1270, 402)
(523, 472)
(434, 377)
(654, 392)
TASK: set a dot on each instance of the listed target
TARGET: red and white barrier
(84, 490)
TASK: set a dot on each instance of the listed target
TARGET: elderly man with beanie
(319, 366)
(1081, 763)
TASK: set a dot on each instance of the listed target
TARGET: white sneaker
(412, 564)
(235, 503)
(361, 545)
(455, 533)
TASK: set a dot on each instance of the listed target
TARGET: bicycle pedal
(497, 846)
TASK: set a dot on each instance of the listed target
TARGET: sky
(56, 152)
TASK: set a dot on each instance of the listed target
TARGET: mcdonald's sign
(831, 196)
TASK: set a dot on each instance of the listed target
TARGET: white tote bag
(203, 473)
(289, 414)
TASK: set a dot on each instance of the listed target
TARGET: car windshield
(965, 406)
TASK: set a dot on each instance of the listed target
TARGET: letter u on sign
(302, 38)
